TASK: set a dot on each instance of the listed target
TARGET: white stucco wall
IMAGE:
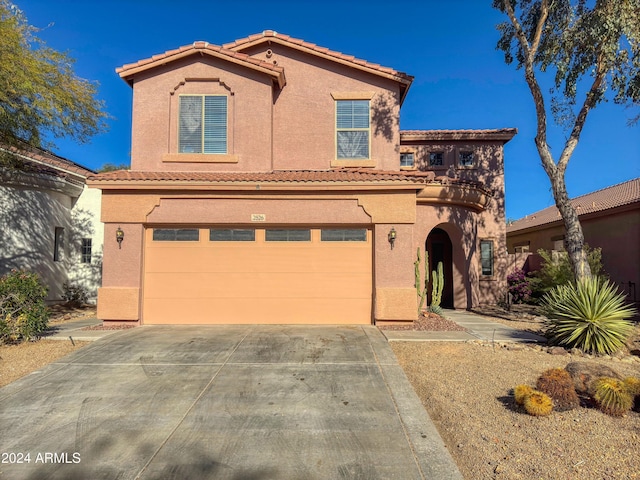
(28, 218)
(32, 206)
(85, 223)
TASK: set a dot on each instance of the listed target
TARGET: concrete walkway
(478, 328)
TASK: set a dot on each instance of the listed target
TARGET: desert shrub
(23, 313)
(612, 396)
(558, 384)
(518, 286)
(556, 270)
(520, 392)
(538, 404)
(74, 295)
(590, 315)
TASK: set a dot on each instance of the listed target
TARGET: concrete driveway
(223, 402)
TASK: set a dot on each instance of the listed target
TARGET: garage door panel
(257, 285)
(260, 311)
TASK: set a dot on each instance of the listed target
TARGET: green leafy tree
(112, 167)
(591, 48)
(40, 96)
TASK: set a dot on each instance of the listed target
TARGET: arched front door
(440, 250)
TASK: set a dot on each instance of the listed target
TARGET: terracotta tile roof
(43, 161)
(126, 71)
(337, 175)
(273, 36)
(607, 198)
(491, 134)
(297, 176)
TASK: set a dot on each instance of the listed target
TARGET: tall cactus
(438, 286)
(421, 287)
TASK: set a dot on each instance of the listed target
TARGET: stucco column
(395, 294)
(119, 298)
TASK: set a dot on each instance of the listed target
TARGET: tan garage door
(245, 275)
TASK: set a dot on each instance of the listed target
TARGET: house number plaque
(258, 217)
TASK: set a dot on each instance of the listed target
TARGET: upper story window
(352, 129)
(466, 158)
(202, 126)
(436, 159)
(407, 159)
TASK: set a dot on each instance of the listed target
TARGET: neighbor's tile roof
(38, 160)
(312, 47)
(611, 197)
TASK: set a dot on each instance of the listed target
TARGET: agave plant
(590, 315)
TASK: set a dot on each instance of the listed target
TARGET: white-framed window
(85, 250)
(436, 159)
(486, 257)
(352, 129)
(466, 158)
(407, 159)
(202, 124)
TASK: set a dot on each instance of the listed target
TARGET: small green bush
(590, 315)
(23, 313)
(556, 270)
(74, 295)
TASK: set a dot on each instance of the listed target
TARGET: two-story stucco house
(270, 183)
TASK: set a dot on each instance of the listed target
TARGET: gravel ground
(16, 361)
(467, 390)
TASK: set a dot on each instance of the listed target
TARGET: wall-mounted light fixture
(392, 237)
(119, 237)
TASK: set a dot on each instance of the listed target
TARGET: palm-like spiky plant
(590, 315)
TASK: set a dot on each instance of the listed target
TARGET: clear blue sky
(461, 80)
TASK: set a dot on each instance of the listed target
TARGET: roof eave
(501, 135)
(250, 185)
(127, 73)
(403, 79)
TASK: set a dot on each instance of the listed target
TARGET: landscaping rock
(557, 351)
(583, 374)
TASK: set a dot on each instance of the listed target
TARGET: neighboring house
(270, 183)
(610, 219)
(50, 221)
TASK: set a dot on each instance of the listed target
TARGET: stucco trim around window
(199, 158)
(352, 95)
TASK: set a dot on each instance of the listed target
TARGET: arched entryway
(441, 250)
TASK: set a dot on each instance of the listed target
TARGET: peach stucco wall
(155, 107)
(467, 227)
(292, 128)
(304, 118)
